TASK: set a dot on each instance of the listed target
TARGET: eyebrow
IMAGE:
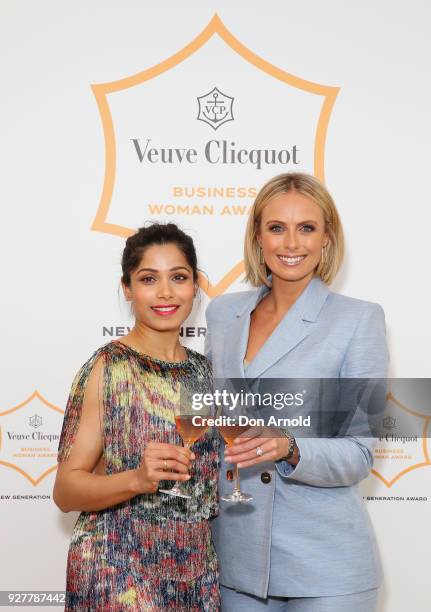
(171, 269)
(300, 223)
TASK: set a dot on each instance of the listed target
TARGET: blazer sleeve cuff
(300, 470)
(284, 468)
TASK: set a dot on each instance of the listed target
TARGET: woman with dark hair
(133, 546)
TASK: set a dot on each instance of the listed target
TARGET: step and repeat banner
(116, 116)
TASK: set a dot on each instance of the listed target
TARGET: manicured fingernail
(188, 477)
(193, 456)
(239, 465)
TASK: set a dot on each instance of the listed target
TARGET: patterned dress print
(153, 552)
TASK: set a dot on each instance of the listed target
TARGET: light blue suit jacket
(306, 533)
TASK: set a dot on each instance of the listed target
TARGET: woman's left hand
(244, 450)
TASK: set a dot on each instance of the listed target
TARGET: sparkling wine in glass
(190, 432)
(229, 433)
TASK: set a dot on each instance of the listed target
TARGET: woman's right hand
(162, 461)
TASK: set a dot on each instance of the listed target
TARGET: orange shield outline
(39, 396)
(215, 26)
(426, 462)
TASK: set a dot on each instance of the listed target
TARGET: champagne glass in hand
(229, 433)
(191, 426)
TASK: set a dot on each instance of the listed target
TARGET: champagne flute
(229, 433)
(191, 425)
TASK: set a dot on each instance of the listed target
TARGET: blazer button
(265, 477)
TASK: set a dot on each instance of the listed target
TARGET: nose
(164, 289)
(291, 241)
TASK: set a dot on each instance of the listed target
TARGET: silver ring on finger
(259, 451)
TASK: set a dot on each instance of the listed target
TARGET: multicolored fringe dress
(153, 552)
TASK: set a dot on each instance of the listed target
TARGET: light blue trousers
(232, 601)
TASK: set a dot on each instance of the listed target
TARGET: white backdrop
(347, 84)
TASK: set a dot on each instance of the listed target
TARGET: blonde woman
(305, 543)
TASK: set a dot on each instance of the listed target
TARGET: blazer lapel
(292, 329)
(237, 337)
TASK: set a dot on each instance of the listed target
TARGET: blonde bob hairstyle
(256, 273)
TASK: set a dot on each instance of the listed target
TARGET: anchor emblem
(215, 108)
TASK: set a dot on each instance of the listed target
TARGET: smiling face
(291, 234)
(162, 288)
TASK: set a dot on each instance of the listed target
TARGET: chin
(166, 327)
(166, 322)
(160, 324)
(292, 275)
